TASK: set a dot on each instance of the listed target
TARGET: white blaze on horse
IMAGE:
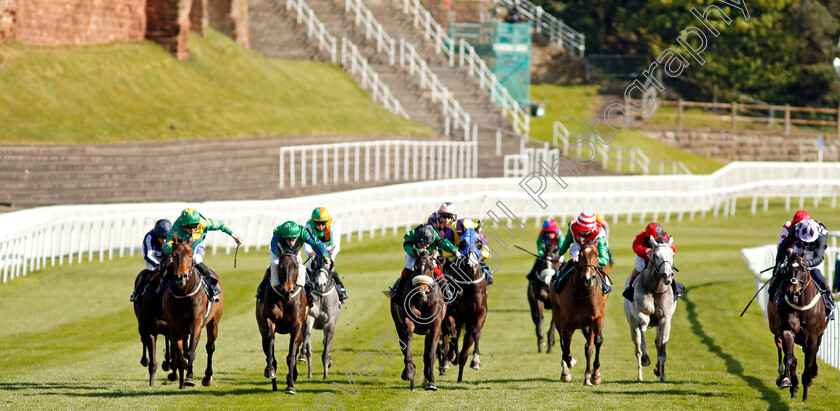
(322, 316)
(653, 305)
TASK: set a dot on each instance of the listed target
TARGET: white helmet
(808, 230)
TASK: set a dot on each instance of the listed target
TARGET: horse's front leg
(781, 368)
(469, 339)
(565, 349)
(432, 339)
(326, 357)
(642, 321)
(212, 334)
(194, 339)
(144, 340)
(307, 344)
(537, 307)
(789, 374)
(662, 336)
(152, 358)
(295, 339)
(636, 336)
(551, 331)
(479, 325)
(599, 339)
(407, 334)
(267, 330)
(179, 359)
(810, 354)
(589, 333)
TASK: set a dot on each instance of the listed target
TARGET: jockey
(423, 237)
(459, 227)
(546, 241)
(290, 237)
(152, 253)
(642, 247)
(810, 238)
(600, 220)
(584, 229)
(322, 227)
(194, 226)
(442, 219)
(799, 216)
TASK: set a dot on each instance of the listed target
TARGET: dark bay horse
(799, 319)
(580, 305)
(188, 309)
(538, 285)
(418, 308)
(283, 310)
(148, 309)
(468, 310)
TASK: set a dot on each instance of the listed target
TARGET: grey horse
(653, 305)
(322, 316)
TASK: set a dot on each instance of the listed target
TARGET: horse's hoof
(656, 370)
(269, 373)
(207, 381)
(330, 364)
(784, 383)
(597, 379)
(405, 377)
(189, 382)
(645, 360)
(165, 366)
(442, 371)
(301, 359)
(172, 376)
(430, 387)
(475, 365)
(144, 362)
(447, 365)
(290, 391)
(573, 362)
(566, 377)
(587, 382)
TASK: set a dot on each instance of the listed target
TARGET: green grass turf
(124, 92)
(575, 104)
(69, 338)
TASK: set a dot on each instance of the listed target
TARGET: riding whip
(527, 251)
(235, 254)
(756, 295)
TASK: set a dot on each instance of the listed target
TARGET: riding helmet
(162, 228)
(189, 217)
(320, 214)
(654, 229)
(448, 209)
(799, 216)
(289, 229)
(808, 230)
(549, 225)
(424, 235)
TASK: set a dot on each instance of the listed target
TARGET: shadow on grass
(98, 391)
(689, 392)
(733, 366)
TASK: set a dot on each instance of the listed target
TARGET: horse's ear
(652, 240)
(671, 241)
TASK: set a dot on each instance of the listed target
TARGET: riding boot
(310, 298)
(678, 289)
(628, 292)
(827, 297)
(211, 282)
(606, 287)
(342, 293)
(488, 274)
(400, 284)
(262, 286)
(141, 285)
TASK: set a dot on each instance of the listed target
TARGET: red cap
(799, 216)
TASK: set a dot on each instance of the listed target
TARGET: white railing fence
(385, 160)
(545, 23)
(633, 156)
(35, 238)
(348, 54)
(760, 258)
(465, 55)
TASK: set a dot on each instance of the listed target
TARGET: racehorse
(580, 305)
(469, 308)
(653, 305)
(538, 285)
(283, 310)
(418, 308)
(188, 309)
(150, 323)
(323, 316)
(799, 319)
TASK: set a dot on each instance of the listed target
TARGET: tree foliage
(782, 55)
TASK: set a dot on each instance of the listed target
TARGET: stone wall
(56, 22)
(748, 147)
(86, 22)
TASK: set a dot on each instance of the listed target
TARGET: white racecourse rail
(388, 160)
(31, 239)
(760, 258)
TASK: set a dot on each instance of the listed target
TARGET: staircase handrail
(556, 30)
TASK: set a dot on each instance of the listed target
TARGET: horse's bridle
(657, 268)
(287, 295)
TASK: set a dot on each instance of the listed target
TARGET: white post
(335, 164)
(315, 166)
(303, 167)
(325, 162)
(377, 155)
(367, 161)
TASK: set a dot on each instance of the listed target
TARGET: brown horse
(150, 323)
(580, 305)
(538, 285)
(467, 310)
(188, 309)
(418, 308)
(283, 310)
(799, 319)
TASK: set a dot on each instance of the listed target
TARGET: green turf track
(68, 337)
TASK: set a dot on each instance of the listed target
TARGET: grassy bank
(137, 92)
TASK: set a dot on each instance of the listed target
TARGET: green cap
(189, 217)
(289, 229)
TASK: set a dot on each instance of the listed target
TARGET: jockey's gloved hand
(458, 255)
